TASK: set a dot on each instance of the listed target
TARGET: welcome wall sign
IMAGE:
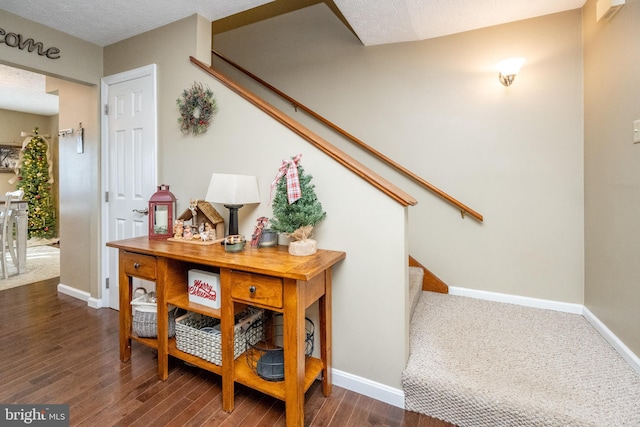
(21, 42)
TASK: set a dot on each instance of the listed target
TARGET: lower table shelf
(246, 376)
(194, 360)
(150, 342)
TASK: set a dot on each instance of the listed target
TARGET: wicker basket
(200, 335)
(145, 316)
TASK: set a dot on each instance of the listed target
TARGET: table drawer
(138, 265)
(256, 289)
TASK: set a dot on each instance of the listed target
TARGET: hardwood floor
(56, 349)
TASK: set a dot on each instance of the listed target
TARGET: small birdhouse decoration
(162, 207)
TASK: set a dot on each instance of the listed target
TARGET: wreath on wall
(197, 106)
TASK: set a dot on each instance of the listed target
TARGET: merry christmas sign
(204, 288)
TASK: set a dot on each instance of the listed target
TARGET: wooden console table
(267, 278)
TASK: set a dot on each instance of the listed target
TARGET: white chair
(15, 195)
(6, 231)
(10, 242)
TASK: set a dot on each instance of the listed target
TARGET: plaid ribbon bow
(290, 169)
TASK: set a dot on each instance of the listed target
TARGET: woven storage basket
(145, 316)
(200, 335)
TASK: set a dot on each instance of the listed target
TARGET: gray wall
(436, 107)
(12, 124)
(79, 198)
(79, 183)
(612, 175)
(370, 288)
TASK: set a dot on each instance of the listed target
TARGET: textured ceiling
(391, 21)
(24, 91)
(373, 21)
(105, 22)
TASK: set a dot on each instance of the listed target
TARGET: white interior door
(131, 172)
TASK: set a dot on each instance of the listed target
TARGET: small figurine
(257, 232)
(188, 233)
(210, 231)
(193, 207)
(178, 229)
(201, 234)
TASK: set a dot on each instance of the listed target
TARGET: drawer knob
(252, 289)
(136, 265)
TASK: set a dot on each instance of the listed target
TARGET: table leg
(162, 322)
(324, 306)
(125, 285)
(294, 352)
(227, 331)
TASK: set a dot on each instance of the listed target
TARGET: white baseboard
(612, 339)
(364, 386)
(81, 295)
(518, 300)
(73, 292)
(94, 302)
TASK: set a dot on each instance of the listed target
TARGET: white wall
(436, 107)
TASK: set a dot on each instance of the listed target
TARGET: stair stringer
(430, 282)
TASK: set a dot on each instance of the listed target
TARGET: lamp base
(233, 218)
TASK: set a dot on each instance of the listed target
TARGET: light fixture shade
(233, 189)
(510, 67)
(607, 8)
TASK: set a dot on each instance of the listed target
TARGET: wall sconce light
(508, 69)
(607, 8)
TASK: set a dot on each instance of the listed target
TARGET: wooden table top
(273, 261)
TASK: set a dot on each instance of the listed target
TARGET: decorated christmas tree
(35, 180)
(295, 205)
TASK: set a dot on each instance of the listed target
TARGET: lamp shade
(233, 189)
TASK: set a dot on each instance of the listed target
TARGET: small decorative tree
(296, 208)
(35, 180)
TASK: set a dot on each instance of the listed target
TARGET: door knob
(144, 211)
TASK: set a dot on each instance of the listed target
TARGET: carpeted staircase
(481, 363)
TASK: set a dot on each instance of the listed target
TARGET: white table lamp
(233, 191)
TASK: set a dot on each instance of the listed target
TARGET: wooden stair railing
(338, 155)
(464, 209)
(429, 282)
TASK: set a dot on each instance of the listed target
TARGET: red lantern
(162, 206)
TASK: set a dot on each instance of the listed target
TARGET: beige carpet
(43, 262)
(482, 363)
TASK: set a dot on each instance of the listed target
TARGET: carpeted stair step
(481, 363)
